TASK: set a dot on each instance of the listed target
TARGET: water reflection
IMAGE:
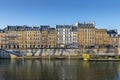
(58, 70)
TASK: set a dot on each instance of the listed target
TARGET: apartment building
(114, 38)
(33, 37)
(22, 37)
(2, 38)
(64, 35)
(80, 35)
(86, 34)
(101, 38)
(12, 37)
(44, 36)
(52, 38)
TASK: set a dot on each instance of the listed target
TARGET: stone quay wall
(55, 52)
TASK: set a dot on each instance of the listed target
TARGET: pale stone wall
(55, 52)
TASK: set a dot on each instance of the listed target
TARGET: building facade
(80, 35)
(44, 36)
(52, 38)
(2, 38)
(67, 36)
(12, 37)
(33, 37)
(20, 37)
(64, 35)
(101, 38)
(74, 42)
(114, 38)
(86, 34)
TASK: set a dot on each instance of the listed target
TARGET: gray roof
(86, 25)
(64, 26)
(19, 28)
(74, 28)
(1, 30)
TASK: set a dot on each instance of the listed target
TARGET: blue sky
(106, 13)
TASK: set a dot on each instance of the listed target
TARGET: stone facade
(101, 38)
(82, 35)
(52, 38)
(86, 34)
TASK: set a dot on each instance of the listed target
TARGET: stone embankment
(53, 53)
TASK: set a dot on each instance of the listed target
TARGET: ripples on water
(58, 70)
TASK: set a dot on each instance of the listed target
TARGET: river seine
(59, 70)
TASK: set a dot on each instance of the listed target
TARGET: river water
(59, 70)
